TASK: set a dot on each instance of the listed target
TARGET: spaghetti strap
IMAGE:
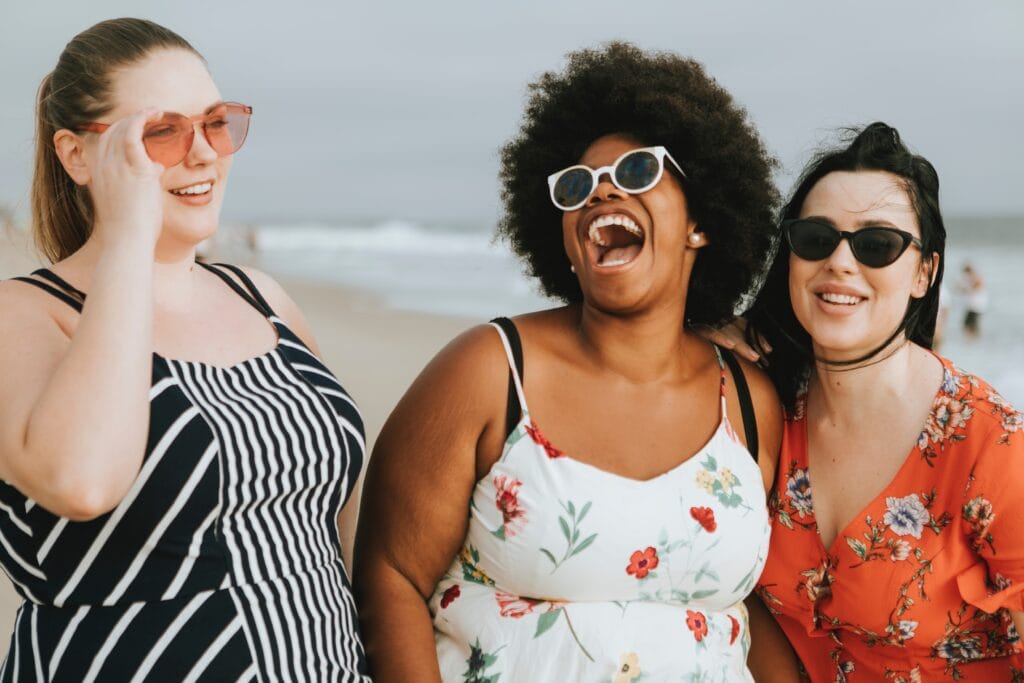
(512, 366)
(250, 285)
(256, 302)
(50, 289)
(48, 274)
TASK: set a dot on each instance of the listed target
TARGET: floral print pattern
(642, 562)
(919, 569)
(507, 499)
(560, 554)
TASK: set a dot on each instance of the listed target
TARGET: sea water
(467, 273)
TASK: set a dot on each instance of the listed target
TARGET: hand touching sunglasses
(168, 140)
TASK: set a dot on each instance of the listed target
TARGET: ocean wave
(389, 237)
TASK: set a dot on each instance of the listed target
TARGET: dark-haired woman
(564, 497)
(897, 548)
(173, 453)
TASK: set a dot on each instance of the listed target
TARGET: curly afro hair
(658, 98)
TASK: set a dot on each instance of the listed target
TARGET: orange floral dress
(919, 586)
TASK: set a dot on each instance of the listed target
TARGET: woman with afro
(579, 494)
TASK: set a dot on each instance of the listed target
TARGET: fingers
(731, 336)
(124, 138)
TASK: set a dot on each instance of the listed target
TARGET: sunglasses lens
(226, 128)
(637, 171)
(877, 247)
(167, 141)
(812, 241)
(573, 187)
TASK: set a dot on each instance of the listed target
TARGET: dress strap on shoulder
(73, 297)
(746, 403)
(252, 296)
(48, 274)
(514, 352)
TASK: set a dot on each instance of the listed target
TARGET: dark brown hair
(76, 92)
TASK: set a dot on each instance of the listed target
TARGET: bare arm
(417, 494)
(74, 424)
(771, 657)
(1018, 621)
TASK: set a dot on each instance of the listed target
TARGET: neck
(174, 270)
(847, 393)
(643, 348)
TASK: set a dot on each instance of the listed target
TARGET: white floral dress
(572, 573)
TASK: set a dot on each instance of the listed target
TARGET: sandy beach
(375, 353)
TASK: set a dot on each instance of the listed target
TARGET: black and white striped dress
(223, 561)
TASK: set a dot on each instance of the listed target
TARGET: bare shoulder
(24, 307)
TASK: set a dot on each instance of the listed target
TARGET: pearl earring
(572, 268)
(694, 238)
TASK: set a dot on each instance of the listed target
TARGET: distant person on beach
(975, 296)
(579, 494)
(898, 513)
(173, 453)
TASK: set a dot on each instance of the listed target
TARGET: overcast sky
(397, 109)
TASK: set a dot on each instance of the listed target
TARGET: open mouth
(614, 239)
(194, 190)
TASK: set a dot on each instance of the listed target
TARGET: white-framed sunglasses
(636, 171)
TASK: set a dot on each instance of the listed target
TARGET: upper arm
(424, 466)
(284, 306)
(768, 416)
(32, 345)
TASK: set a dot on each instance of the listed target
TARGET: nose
(842, 259)
(200, 152)
(605, 191)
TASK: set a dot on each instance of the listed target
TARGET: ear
(926, 275)
(695, 239)
(71, 152)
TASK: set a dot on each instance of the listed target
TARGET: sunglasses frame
(658, 151)
(96, 127)
(849, 236)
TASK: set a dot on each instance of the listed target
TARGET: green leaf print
(546, 621)
(514, 437)
(477, 664)
(697, 595)
(570, 527)
(710, 464)
(858, 547)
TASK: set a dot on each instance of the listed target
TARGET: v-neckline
(909, 461)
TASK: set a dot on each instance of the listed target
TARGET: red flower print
(697, 623)
(541, 440)
(506, 498)
(514, 606)
(706, 517)
(449, 595)
(642, 562)
(735, 629)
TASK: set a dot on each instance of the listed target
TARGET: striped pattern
(223, 560)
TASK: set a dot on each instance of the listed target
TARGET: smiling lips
(191, 190)
(839, 299)
(615, 239)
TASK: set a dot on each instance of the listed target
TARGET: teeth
(606, 264)
(844, 299)
(200, 188)
(618, 219)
